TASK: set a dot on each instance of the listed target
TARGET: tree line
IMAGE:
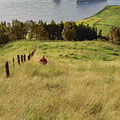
(40, 30)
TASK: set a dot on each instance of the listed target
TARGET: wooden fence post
(22, 58)
(13, 62)
(33, 53)
(29, 57)
(18, 57)
(7, 70)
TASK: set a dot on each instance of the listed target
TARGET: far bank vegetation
(69, 31)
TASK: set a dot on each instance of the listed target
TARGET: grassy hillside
(109, 16)
(80, 82)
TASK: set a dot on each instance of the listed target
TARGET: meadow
(80, 82)
(103, 20)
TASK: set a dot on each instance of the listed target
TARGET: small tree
(100, 34)
(114, 35)
(3, 38)
(68, 32)
(42, 33)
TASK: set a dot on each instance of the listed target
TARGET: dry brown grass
(79, 90)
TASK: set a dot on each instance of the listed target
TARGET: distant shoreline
(90, 0)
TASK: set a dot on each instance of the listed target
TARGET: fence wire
(12, 65)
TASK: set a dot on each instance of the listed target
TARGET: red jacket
(43, 61)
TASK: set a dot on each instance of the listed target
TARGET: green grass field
(109, 16)
(80, 82)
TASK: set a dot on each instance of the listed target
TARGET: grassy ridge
(109, 16)
(80, 81)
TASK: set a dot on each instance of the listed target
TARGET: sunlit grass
(80, 82)
(103, 20)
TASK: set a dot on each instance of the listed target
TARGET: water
(47, 10)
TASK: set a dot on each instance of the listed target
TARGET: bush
(114, 35)
(69, 34)
(3, 38)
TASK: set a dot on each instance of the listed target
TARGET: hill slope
(80, 81)
(109, 16)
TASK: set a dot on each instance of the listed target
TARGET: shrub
(3, 38)
(114, 35)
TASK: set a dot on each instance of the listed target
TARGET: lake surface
(47, 10)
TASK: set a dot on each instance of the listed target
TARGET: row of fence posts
(20, 59)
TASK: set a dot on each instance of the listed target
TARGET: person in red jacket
(43, 60)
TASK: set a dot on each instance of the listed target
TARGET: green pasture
(103, 20)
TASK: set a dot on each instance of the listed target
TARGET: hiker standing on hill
(43, 60)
